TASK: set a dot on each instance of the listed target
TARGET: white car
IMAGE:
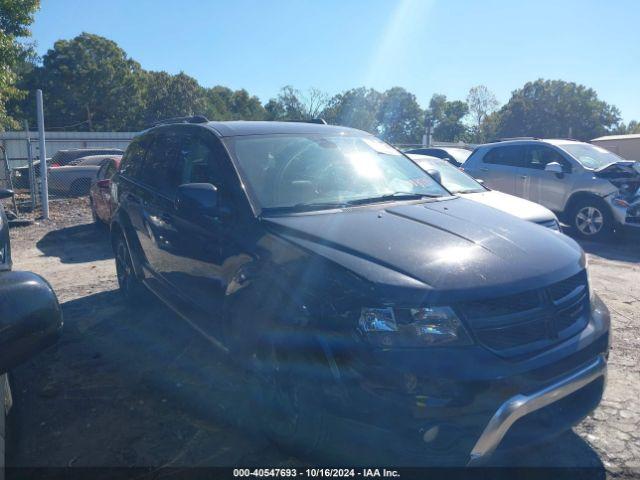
(459, 183)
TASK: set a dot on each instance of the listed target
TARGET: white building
(627, 146)
(15, 143)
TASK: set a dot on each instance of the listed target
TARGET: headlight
(415, 327)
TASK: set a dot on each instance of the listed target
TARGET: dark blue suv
(352, 283)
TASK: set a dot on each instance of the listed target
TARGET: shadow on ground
(621, 247)
(138, 387)
(77, 244)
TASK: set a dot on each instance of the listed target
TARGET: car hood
(521, 208)
(452, 249)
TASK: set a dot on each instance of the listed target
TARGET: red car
(100, 191)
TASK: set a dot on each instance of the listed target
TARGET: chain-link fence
(73, 161)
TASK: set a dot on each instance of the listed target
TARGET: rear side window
(132, 161)
(160, 166)
(510, 155)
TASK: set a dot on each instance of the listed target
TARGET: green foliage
(168, 96)
(89, 83)
(400, 118)
(632, 128)
(355, 108)
(482, 103)
(222, 103)
(15, 18)
(446, 118)
(555, 108)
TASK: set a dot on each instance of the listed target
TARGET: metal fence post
(43, 156)
(32, 174)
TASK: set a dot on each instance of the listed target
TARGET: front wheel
(294, 416)
(592, 219)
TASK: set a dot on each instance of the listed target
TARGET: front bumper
(478, 401)
(523, 404)
(625, 216)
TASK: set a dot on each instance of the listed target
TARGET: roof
(524, 141)
(632, 136)
(101, 156)
(420, 157)
(240, 128)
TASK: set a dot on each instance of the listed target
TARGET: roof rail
(191, 119)
(517, 138)
(320, 121)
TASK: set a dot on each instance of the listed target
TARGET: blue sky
(426, 46)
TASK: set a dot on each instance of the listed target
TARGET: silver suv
(587, 186)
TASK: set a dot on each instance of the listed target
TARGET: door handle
(484, 169)
(523, 177)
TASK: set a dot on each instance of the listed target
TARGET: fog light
(431, 434)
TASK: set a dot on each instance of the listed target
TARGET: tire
(96, 220)
(591, 219)
(131, 287)
(289, 402)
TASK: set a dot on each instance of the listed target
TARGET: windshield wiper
(305, 207)
(393, 196)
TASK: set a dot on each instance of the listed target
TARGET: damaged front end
(625, 203)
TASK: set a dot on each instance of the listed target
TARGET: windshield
(590, 156)
(452, 178)
(459, 154)
(317, 171)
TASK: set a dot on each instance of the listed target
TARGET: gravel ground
(139, 388)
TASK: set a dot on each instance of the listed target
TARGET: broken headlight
(389, 327)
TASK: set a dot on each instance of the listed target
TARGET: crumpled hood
(451, 248)
(521, 208)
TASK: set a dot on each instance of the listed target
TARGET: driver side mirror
(554, 167)
(5, 193)
(435, 174)
(198, 199)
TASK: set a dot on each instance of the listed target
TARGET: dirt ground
(127, 387)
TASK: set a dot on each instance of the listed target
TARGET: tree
(632, 128)
(400, 118)
(222, 103)
(356, 108)
(15, 18)
(446, 117)
(481, 102)
(292, 104)
(167, 96)
(89, 83)
(555, 108)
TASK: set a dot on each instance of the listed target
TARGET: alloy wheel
(589, 220)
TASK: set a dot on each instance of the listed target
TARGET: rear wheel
(94, 215)
(132, 289)
(592, 219)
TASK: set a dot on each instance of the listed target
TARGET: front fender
(30, 317)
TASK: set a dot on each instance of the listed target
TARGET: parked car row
(587, 186)
(70, 172)
(355, 281)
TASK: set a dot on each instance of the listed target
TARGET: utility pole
(428, 125)
(43, 156)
